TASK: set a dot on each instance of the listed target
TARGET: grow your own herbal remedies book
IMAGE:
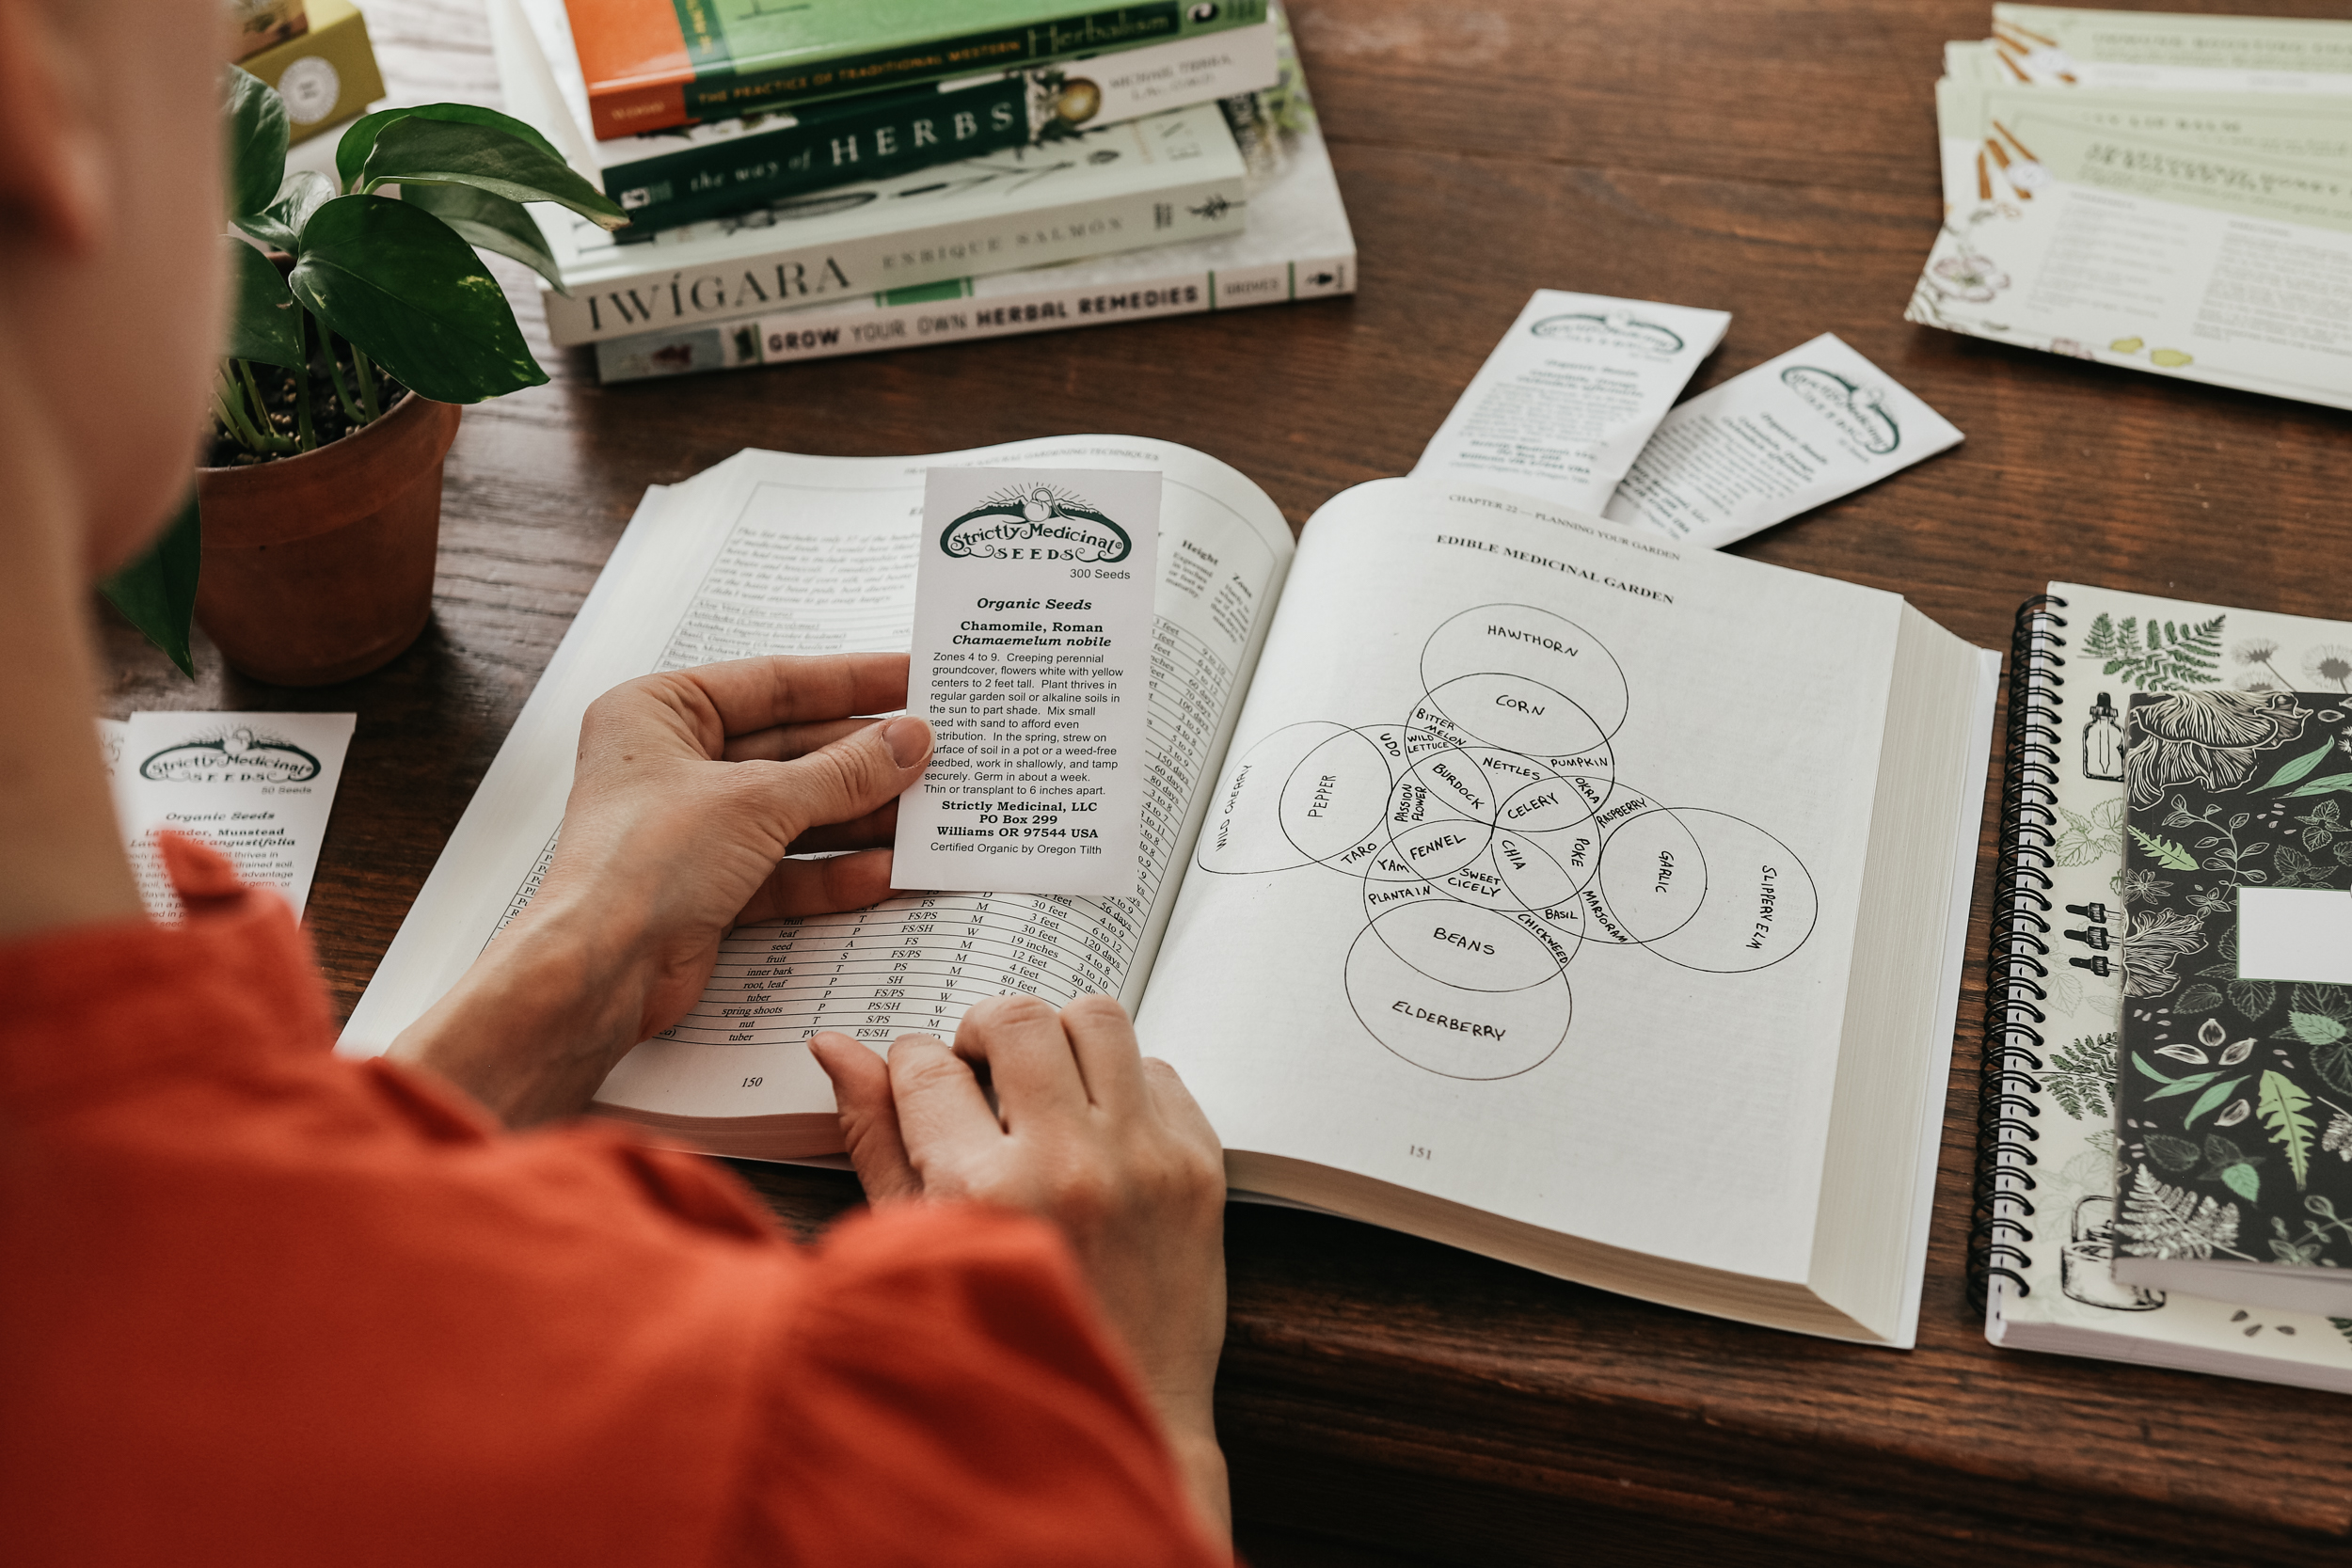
(1494, 888)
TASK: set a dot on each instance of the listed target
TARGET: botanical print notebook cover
(2117, 645)
(2231, 1100)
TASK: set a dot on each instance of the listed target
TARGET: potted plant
(306, 548)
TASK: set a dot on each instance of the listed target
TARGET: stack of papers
(2171, 193)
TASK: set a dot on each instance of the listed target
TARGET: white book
(1168, 178)
(1495, 889)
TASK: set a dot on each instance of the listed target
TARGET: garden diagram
(1492, 841)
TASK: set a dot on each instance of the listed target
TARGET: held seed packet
(1032, 660)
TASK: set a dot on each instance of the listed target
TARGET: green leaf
(2242, 1179)
(2170, 1152)
(2165, 853)
(2316, 1029)
(418, 151)
(2253, 998)
(400, 283)
(2332, 1061)
(255, 127)
(279, 225)
(2199, 998)
(490, 222)
(157, 591)
(2323, 784)
(2281, 1104)
(264, 324)
(2299, 766)
(351, 154)
(2174, 1086)
(2210, 1100)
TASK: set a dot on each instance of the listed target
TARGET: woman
(262, 1305)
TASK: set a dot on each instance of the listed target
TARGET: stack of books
(843, 176)
(2171, 193)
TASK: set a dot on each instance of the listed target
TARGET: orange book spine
(634, 53)
(625, 111)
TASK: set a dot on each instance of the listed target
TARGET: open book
(1521, 884)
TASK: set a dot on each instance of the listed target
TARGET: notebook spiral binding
(2016, 970)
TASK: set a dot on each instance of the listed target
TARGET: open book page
(773, 553)
(1531, 881)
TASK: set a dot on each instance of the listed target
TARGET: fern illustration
(2165, 1221)
(2165, 656)
(2163, 851)
(2081, 1075)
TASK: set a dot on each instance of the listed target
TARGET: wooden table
(1385, 1400)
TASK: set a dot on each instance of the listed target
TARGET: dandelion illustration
(2331, 661)
(2259, 650)
(1970, 276)
(2256, 682)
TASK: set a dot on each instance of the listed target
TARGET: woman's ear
(54, 169)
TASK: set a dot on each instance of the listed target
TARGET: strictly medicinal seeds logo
(239, 756)
(1036, 522)
(1857, 411)
(1618, 329)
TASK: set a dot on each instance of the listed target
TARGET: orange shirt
(259, 1305)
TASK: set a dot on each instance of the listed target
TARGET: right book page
(1532, 879)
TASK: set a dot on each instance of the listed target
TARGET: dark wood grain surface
(1384, 1399)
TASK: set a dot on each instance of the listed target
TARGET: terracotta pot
(318, 568)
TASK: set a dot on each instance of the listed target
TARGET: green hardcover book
(656, 63)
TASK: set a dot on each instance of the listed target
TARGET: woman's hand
(689, 791)
(1092, 1136)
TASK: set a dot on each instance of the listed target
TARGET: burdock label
(1032, 660)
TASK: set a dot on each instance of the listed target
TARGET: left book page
(773, 553)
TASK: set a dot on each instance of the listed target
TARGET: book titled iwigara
(656, 63)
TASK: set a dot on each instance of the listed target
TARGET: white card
(256, 786)
(1568, 397)
(1785, 437)
(2295, 933)
(1032, 661)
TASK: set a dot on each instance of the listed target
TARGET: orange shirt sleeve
(261, 1306)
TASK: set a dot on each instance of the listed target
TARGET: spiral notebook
(2043, 1244)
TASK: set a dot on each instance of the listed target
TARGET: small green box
(328, 74)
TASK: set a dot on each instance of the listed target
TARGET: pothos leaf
(2299, 766)
(157, 591)
(257, 130)
(2283, 1103)
(2164, 852)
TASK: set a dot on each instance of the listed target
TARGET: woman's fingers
(874, 831)
(827, 886)
(1030, 1061)
(869, 1118)
(784, 742)
(854, 776)
(752, 695)
(944, 1118)
(1103, 1042)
